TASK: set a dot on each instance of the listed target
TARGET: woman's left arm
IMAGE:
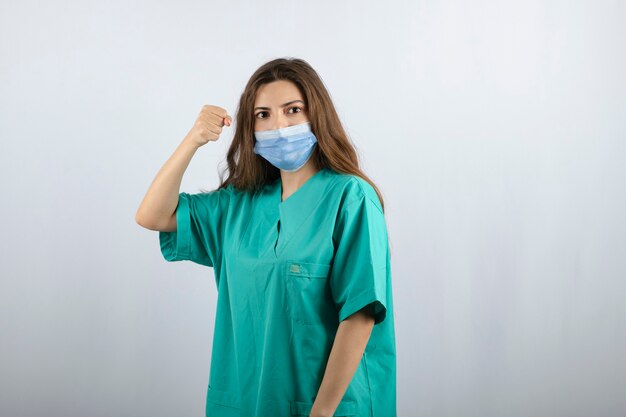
(351, 339)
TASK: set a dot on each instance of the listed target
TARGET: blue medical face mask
(288, 148)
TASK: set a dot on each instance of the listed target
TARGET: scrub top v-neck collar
(293, 211)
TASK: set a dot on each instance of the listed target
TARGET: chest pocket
(309, 300)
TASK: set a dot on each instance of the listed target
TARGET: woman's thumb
(228, 120)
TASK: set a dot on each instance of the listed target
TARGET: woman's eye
(298, 108)
(259, 113)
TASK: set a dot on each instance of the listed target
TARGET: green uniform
(287, 273)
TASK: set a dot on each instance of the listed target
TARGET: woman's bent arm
(158, 208)
(160, 202)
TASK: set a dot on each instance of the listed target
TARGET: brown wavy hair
(249, 171)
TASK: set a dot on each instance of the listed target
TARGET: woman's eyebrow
(286, 104)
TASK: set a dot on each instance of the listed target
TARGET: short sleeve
(199, 228)
(359, 275)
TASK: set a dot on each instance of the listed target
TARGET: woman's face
(277, 105)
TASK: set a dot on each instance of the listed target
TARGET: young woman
(297, 238)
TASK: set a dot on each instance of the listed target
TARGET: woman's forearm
(351, 339)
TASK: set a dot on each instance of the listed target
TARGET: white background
(495, 130)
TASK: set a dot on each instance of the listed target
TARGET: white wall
(496, 131)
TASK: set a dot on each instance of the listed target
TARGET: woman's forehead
(277, 93)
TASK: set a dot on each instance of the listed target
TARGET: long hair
(249, 171)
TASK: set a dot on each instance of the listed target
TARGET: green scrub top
(287, 273)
